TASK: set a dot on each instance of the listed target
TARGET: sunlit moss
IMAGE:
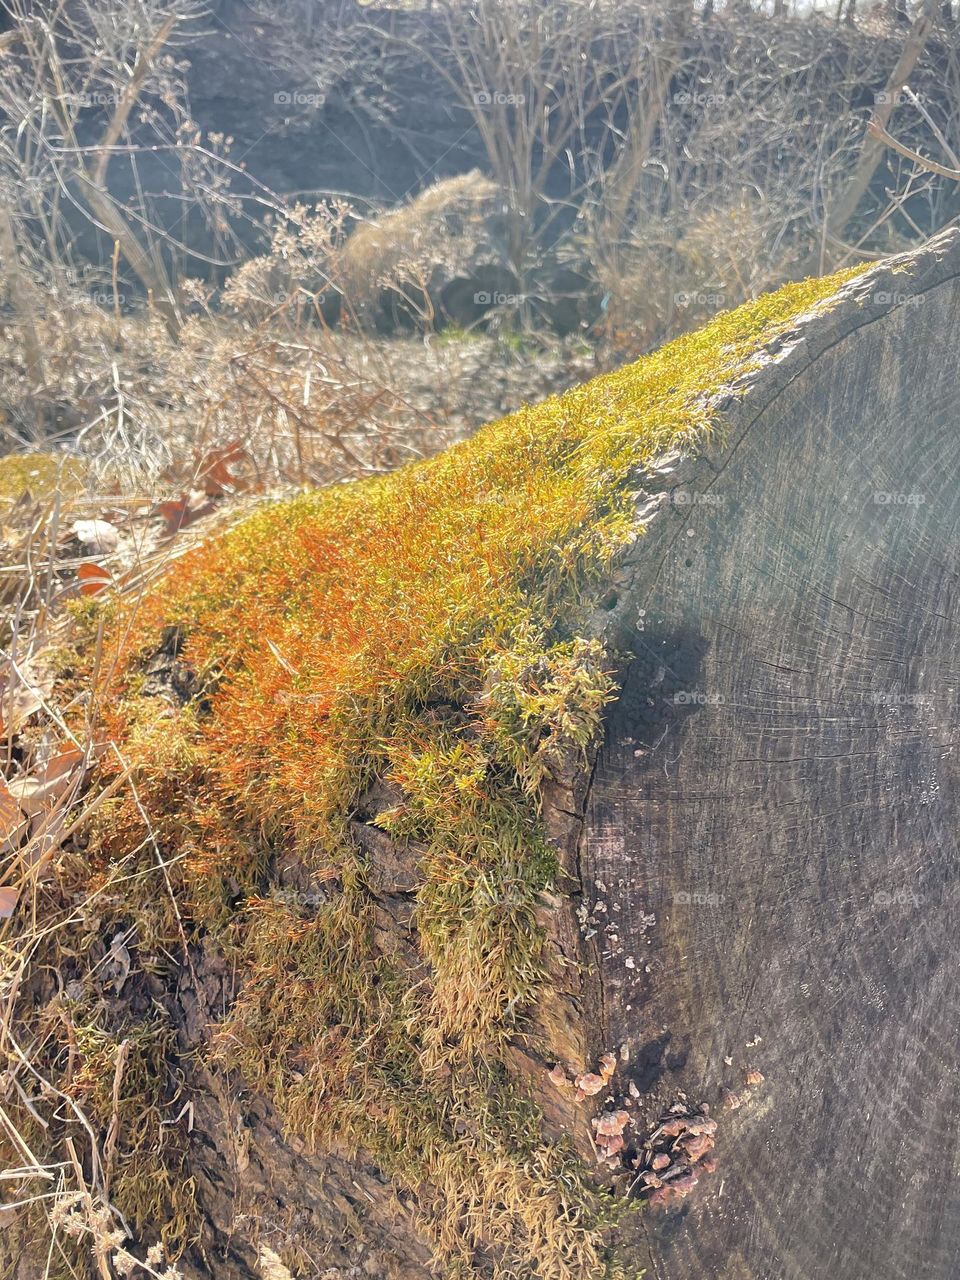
(424, 629)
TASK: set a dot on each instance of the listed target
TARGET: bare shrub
(333, 258)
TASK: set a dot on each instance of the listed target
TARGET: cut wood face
(772, 823)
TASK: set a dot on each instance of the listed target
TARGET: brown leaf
(21, 695)
(36, 794)
(62, 764)
(12, 821)
(215, 473)
(9, 898)
(94, 578)
(179, 514)
(118, 963)
(30, 795)
(753, 1078)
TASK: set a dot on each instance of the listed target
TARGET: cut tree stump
(772, 820)
(762, 875)
(755, 973)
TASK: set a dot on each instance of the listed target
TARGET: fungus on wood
(563, 829)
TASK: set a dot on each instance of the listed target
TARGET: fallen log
(560, 832)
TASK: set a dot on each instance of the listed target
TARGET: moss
(147, 1178)
(424, 629)
(39, 474)
(117, 1071)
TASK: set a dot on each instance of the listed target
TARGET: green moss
(40, 475)
(424, 629)
(117, 1071)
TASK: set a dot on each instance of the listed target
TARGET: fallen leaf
(29, 795)
(22, 694)
(93, 579)
(118, 960)
(753, 1078)
(12, 821)
(99, 535)
(40, 792)
(8, 901)
(215, 473)
(62, 764)
(177, 514)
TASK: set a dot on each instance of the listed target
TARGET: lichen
(424, 630)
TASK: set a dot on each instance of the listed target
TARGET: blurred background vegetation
(341, 235)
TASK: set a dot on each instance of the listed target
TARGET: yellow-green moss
(426, 629)
(40, 475)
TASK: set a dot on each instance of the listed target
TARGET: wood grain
(771, 826)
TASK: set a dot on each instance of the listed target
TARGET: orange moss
(423, 628)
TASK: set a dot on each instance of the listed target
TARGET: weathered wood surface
(772, 822)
